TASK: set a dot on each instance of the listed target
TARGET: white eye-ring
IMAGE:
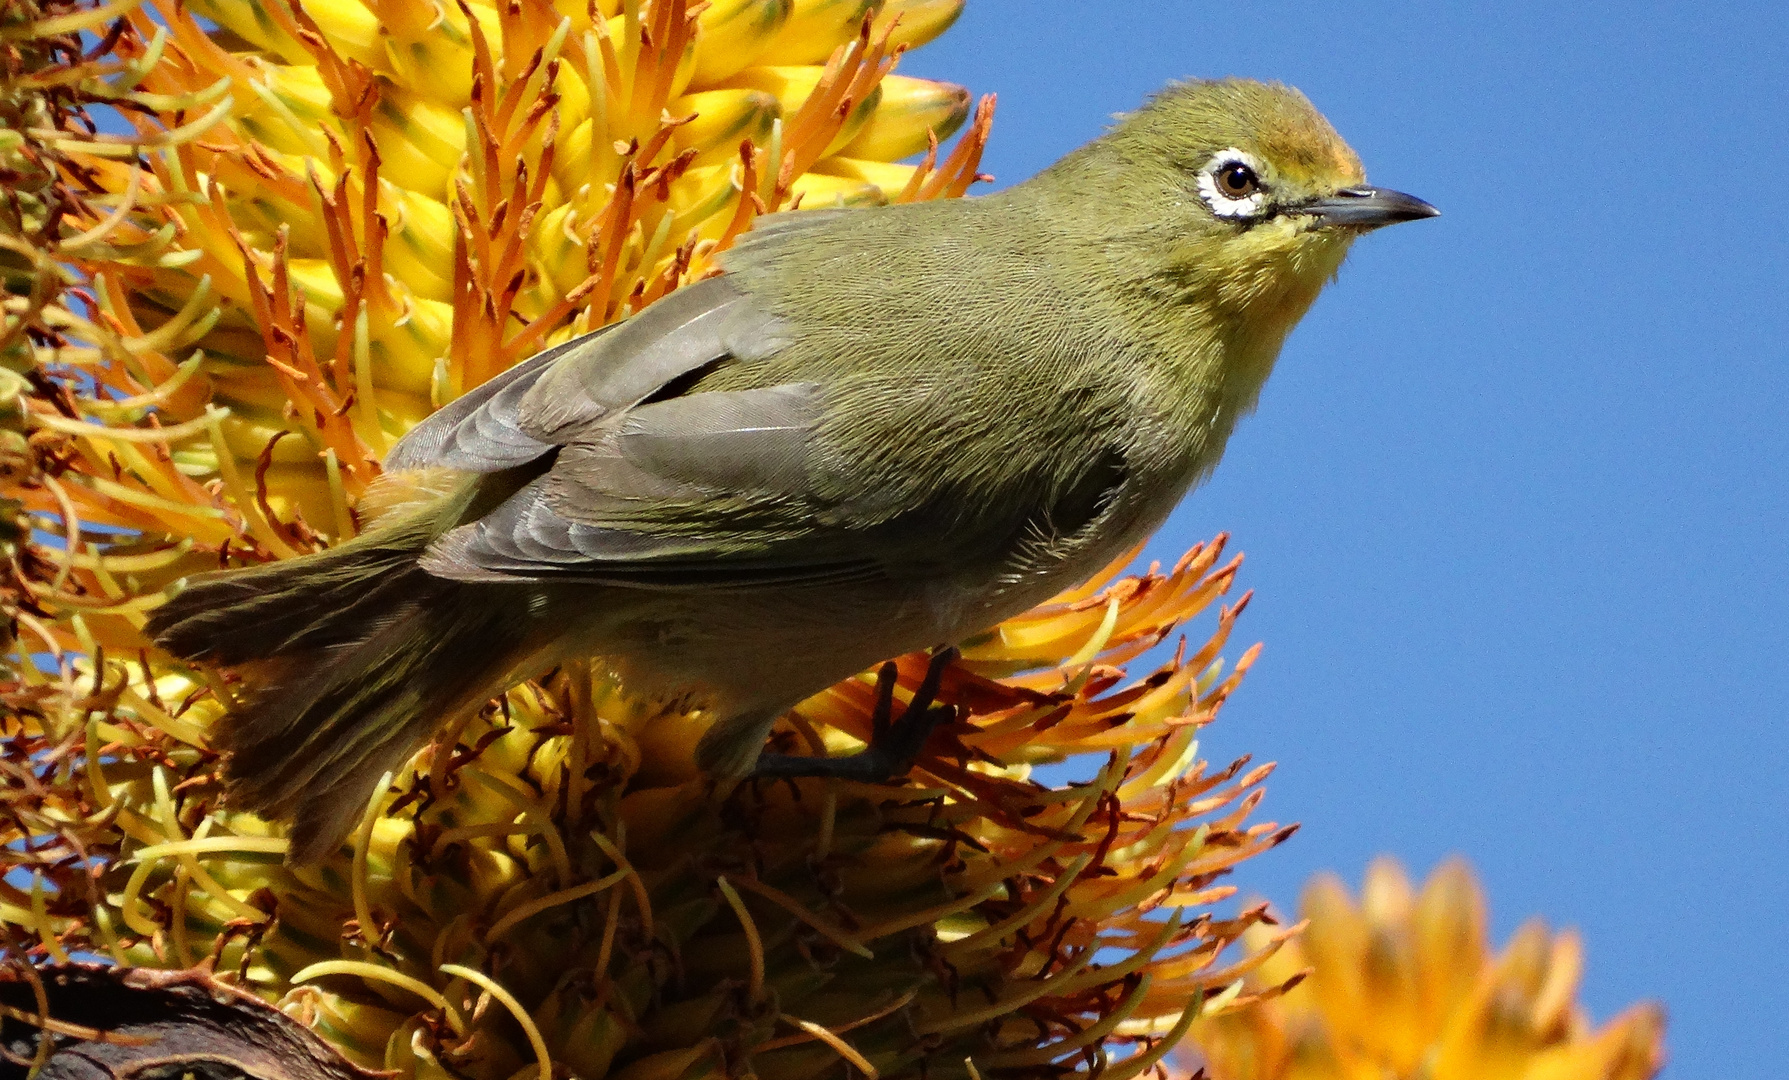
(1231, 185)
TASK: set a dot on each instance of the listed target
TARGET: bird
(876, 430)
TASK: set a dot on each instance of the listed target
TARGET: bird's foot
(893, 743)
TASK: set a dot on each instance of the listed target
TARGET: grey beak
(1369, 208)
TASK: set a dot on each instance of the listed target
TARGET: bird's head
(1230, 195)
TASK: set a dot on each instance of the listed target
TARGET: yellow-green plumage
(879, 430)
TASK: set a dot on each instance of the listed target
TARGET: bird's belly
(750, 649)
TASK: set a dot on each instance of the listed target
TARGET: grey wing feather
(540, 403)
(679, 336)
(733, 456)
(742, 443)
(478, 431)
(524, 540)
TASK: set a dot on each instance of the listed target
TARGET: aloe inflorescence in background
(1402, 984)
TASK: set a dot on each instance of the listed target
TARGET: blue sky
(1516, 501)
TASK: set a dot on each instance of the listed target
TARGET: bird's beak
(1368, 208)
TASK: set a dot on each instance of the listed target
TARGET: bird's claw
(894, 743)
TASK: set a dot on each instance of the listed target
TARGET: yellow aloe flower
(334, 215)
(1403, 985)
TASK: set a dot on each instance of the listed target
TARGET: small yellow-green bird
(879, 430)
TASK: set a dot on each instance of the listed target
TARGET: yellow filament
(103, 919)
(215, 889)
(844, 1049)
(197, 311)
(338, 496)
(788, 903)
(639, 886)
(1103, 904)
(496, 990)
(363, 839)
(362, 969)
(122, 564)
(1086, 654)
(190, 734)
(71, 524)
(96, 777)
(933, 914)
(111, 220)
(243, 496)
(62, 24)
(138, 828)
(1137, 1065)
(606, 951)
(366, 399)
(541, 822)
(268, 845)
(40, 917)
(753, 943)
(183, 948)
(795, 1040)
(1221, 1001)
(109, 585)
(164, 802)
(1088, 802)
(1131, 963)
(172, 434)
(448, 837)
(1025, 915)
(1167, 766)
(563, 896)
(133, 71)
(1032, 990)
(73, 1031)
(187, 102)
(1086, 1037)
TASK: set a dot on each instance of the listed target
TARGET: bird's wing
(478, 431)
(649, 483)
(707, 490)
(716, 489)
(542, 402)
(675, 340)
(686, 449)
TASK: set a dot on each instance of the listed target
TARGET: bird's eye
(1236, 180)
(1231, 185)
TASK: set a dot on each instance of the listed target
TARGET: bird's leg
(893, 743)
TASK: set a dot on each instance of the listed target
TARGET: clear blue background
(1514, 501)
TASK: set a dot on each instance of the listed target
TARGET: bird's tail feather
(350, 658)
(235, 616)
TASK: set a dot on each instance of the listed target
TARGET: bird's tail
(350, 658)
